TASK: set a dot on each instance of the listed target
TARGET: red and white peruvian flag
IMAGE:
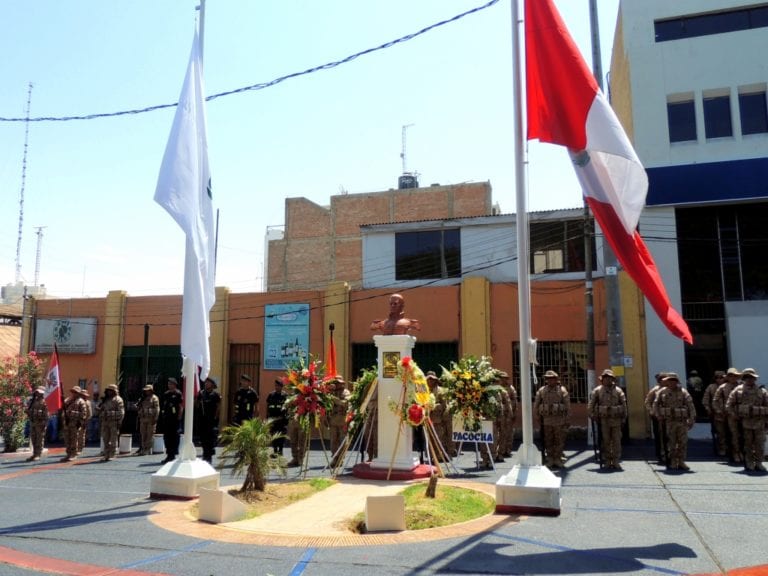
(53, 385)
(566, 106)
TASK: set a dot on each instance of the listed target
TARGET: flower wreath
(416, 400)
(473, 392)
(308, 393)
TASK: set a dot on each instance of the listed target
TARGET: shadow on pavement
(562, 560)
(75, 520)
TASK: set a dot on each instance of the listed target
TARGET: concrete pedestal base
(531, 490)
(217, 506)
(368, 472)
(385, 513)
(183, 479)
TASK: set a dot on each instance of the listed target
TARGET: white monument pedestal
(395, 450)
(529, 487)
(183, 479)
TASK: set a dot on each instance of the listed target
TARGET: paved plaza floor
(93, 518)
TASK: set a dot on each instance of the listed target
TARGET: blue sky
(91, 182)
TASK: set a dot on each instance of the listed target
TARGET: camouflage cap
(608, 372)
(749, 372)
(148, 388)
(733, 371)
(76, 390)
(40, 390)
(551, 374)
(431, 375)
(671, 376)
(112, 387)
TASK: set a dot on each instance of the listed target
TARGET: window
(713, 23)
(722, 253)
(753, 113)
(558, 246)
(681, 117)
(717, 117)
(428, 254)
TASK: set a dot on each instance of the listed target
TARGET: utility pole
(23, 184)
(611, 280)
(38, 253)
(613, 298)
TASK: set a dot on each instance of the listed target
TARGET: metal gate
(568, 359)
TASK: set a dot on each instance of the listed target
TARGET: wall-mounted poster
(71, 335)
(286, 334)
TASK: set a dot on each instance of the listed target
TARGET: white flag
(184, 190)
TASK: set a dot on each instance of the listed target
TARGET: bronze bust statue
(396, 322)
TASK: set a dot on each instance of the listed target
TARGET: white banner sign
(71, 335)
(482, 436)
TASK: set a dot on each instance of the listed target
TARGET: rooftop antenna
(402, 153)
(407, 179)
(37, 254)
(23, 184)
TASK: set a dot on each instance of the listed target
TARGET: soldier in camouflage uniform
(658, 435)
(718, 405)
(493, 450)
(298, 439)
(749, 404)
(37, 412)
(74, 419)
(111, 413)
(674, 409)
(81, 435)
(148, 410)
(509, 399)
(440, 416)
(608, 406)
(717, 419)
(552, 405)
(337, 419)
(371, 440)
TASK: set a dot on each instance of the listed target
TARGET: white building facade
(688, 80)
(444, 251)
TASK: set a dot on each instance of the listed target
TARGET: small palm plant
(248, 448)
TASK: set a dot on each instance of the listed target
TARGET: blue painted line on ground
(166, 555)
(298, 570)
(561, 548)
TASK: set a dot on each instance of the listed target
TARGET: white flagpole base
(183, 479)
(533, 490)
(529, 487)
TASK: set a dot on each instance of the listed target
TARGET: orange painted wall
(557, 313)
(246, 324)
(162, 313)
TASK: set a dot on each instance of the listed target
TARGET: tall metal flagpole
(529, 487)
(189, 368)
(528, 454)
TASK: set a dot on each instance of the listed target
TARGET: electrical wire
(262, 85)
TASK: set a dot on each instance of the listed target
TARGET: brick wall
(323, 244)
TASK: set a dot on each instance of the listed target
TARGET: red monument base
(365, 471)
